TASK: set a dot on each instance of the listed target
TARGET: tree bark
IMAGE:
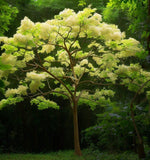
(140, 145)
(76, 130)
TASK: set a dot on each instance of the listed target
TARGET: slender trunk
(76, 130)
(148, 38)
(140, 145)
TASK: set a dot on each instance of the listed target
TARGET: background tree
(135, 20)
(66, 56)
(7, 14)
(100, 5)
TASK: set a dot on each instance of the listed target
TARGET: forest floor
(69, 155)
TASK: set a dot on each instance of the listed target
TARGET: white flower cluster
(36, 76)
(66, 13)
(45, 30)
(72, 20)
(63, 57)
(26, 24)
(90, 23)
(29, 55)
(21, 90)
(21, 63)
(109, 61)
(111, 32)
(113, 77)
(124, 69)
(23, 39)
(98, 60)
(129, 48)
(8, 59)
(47, 48)
(99, 95)
(83, 62)
(145, 73)
(109, 75)
(57, 71)
(79, 70)
(36, 80)
(3, 39)
(94, 31)
(95, 19)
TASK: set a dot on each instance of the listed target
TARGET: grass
(69, 155)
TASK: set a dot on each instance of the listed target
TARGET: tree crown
(66, 56)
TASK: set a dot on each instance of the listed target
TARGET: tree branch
(139, 91)
(49, 92)
(56, 78)
(75, 39)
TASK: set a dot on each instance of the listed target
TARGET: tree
(57, 4)
(100, 5)
(8, 13)
(67, 56)
(137, 14)
(137, 80)
(114, 14)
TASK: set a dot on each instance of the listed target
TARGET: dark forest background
(24, 128)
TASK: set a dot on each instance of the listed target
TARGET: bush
(109, 135)
(115, 132)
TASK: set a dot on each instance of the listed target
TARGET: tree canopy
(68, 56)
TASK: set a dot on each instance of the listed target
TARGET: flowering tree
(66, 56)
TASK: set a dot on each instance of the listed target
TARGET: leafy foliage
(134, 17)
(8, 13)
(57, 4)
(10, 101)
(114, 127)
(42, 103)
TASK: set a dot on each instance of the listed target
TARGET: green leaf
(10, 101)
(82, 3)
(142, 54)
(43, 103)
(4, 67)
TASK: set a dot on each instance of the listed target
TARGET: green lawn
(69, 155)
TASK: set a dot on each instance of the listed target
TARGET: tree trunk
(140, 145)
(141, 152)
(76, 130)
(148, 38)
